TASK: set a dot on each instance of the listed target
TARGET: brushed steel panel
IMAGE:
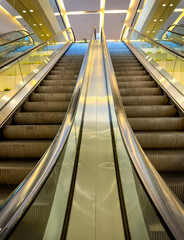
(96, 211)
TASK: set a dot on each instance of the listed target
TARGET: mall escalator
(15, 43)
(31, 130)
(157, 123)
(87, 184)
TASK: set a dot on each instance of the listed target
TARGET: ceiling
(91, 14)
(83, 15)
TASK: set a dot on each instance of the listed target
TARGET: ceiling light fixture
(40, 24)
(24, 11)
(115, 11)
(31, 10)
(161, 20)
(163, 5)
(42, 35)
(34, 24)
(47, 35)
(178, 10)
(171, 5)
(148, 31)
(18, 17)
(155, 20)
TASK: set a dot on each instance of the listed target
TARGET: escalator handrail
(31, 49)
(168, 205)
(3, 44)
(158, 43)
(8, 33)
(19, 201)
(167, 30)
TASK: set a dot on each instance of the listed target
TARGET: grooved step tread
(39, 117)
(50, 97)
(23, 148)
(166, 159)
(30, 131)
(70, 83)
(137, 84)
(140, 91)
(45, 106)
(144, 100)
(157, 124)
(151, 111)
(161, 139)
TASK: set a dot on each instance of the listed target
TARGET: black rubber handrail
(33, 48)
(3, 44)
(158, 43)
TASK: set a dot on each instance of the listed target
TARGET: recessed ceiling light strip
(102, 9)
(64, 13)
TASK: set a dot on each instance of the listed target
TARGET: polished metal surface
(19, 201)
(169, 207)
(56, 218)
(172, 91)
(95, 212)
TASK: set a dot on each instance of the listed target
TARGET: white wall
(7, 22)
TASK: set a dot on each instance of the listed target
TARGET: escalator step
(54, 89)
(39, 117)
(58, 83)
(62, 73)
(45, 106)
(157, 124)
(133, 78)
(13, 172)
(166, 159)
(129, 64)
(126, 68)
(166, 139)
(151, 111)
(137, 84)
(175, 181)
(144, 100)
(35, 97)
(64, 76)
(30, 131)
(131, 73)
(140, 91)
(23, 149)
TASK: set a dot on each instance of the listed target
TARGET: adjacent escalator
(15, 43)
(31, 130)
(155, 120)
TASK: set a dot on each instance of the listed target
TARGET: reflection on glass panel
(25, 68)
(16, 47)
(169, 63)
(171, 39)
